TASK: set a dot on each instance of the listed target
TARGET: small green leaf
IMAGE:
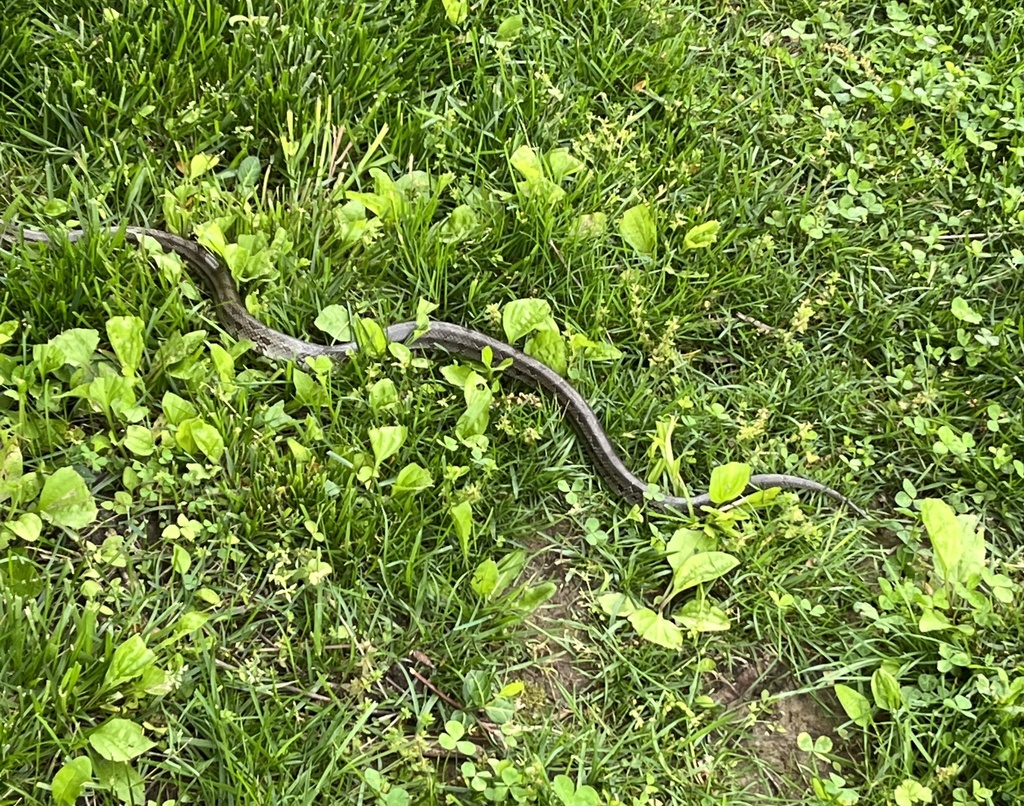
(125, 334)
(351, 223)
(66, 501)
(685, 543)
(386, 442)
(485, 579)
(396, 796)
(28, 527)
(548, 347)
(571, 795)
(21, 489)
(462, 223)
(121, 779)
(810, 224)
(701, 236)
(561, 164)
(139, 440)
(565, 789)
(154, 681)
(12, 463)
(20, 576)
(500, 711)
(67, 784)
(705, 566)
(383, 395)
(590, 225)
(637, 228)
(457, 375)
(120, 740)
(455, 729)
(402, 354)
(542, 190)
(181, 560)
(374, 780)
(423, 310)
(456, 10)
(307, 391)
(208, 439)
(243, 262)
(201, 164)
(512, 690)
(336, 322)
(56, 207)
(702, 616)
(522, 316)
(933, 621)
(211, 597)
(510, 28)
(509, 568)
(855, 704)
(534, 597)
(223, 363)
(462, 519)
(971, 565)
(616, 604)
(964, 312)
(74, 347)
(248, 172)
(412, 479)
(300, 453)
(130, 660)
(194, 620)
(594, 350)
(911, 792)
(885, 689)
(7, 331)
(473, 421)
(525, 160)
(655, 628)
(114, 395)
(316, 571)
(476, 688)
(177, 409)
(370, 337)
(179, 349)
(946, 535)
(729, 481)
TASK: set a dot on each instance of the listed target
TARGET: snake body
(204, 267)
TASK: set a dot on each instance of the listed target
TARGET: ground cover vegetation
(778, 236)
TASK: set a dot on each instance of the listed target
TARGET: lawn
(773, 236)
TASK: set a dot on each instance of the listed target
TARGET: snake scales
(211, 273)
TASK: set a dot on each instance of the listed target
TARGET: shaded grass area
(865, 164)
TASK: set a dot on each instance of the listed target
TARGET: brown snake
(212, 274)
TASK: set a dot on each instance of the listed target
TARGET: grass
(250, 610)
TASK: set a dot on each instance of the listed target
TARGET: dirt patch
(758, 692)
(770, 718)
(557, 644)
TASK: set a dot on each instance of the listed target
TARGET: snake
(209, 272)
